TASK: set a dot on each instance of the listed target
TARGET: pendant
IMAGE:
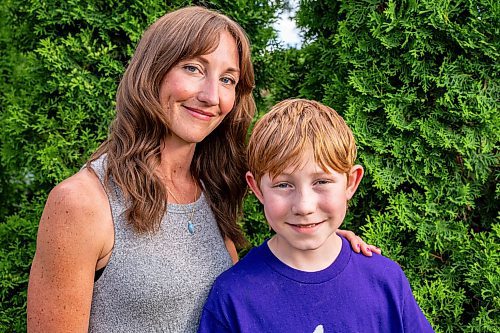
(191, 227)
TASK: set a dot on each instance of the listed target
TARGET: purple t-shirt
(354, 294)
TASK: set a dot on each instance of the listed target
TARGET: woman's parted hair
(292, 126)
(133, 146)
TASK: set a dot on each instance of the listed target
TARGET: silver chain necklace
(190, 225)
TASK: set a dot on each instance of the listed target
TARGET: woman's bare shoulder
(74, 234)
(81, 189)
(80, 204)
(77, 207)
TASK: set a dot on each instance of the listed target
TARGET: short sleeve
(209, 323)
(414, 320)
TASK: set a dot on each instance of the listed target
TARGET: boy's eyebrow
(315, 174)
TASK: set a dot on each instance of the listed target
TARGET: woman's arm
(358, 244)
(71, 239)
(231, 249)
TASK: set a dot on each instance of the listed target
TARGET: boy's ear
(252, 183)
(355, 175)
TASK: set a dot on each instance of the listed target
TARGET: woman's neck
(176, 160)
(175, 171)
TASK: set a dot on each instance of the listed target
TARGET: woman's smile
(200, 114)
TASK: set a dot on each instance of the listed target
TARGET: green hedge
(415, 80)
(418, 83)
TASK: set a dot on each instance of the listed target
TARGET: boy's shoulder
(376, 268)
(375, 262)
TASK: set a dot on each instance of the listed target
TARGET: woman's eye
(228, 80)
(191, 68)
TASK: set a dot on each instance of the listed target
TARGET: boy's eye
(282, 185)
(323, 181)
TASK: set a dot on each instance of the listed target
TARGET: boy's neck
(306, 260)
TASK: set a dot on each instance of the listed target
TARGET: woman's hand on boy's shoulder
(357, 244)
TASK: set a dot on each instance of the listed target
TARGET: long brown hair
(133, 146)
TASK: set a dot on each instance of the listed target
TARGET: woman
(112, 255)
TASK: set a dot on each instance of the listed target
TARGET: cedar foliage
(417, 81)
(60, 65)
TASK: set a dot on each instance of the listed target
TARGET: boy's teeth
(307, 225)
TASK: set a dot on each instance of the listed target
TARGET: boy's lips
(305, 227)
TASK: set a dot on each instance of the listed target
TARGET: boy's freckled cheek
(277, 207)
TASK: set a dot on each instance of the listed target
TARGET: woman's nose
(209, 91)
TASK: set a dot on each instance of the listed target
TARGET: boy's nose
(209, 92)
(304, 204)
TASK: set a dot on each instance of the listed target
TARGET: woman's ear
(252, 183)
(355, 175)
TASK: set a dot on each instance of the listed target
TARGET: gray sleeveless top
(157, 282)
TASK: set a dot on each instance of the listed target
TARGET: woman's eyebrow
(205, 61)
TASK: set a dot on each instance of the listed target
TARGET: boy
(306, 278)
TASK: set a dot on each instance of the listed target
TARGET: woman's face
(197, 93)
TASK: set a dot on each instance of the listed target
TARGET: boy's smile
(305, 228)
(305, 205)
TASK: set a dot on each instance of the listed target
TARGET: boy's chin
(326, 243)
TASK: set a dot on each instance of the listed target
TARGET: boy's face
(306, 205)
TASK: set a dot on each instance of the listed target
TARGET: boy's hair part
(292, 126)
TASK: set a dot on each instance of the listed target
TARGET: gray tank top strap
(117, 203)
(113, 191)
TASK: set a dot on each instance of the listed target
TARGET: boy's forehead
(306, 163)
